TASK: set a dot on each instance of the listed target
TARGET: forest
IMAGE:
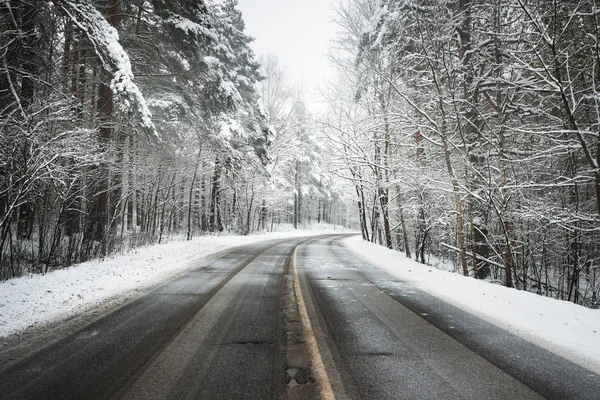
(460, 132)
(125, 123)
(470, 131)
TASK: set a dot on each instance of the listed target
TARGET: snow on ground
(37, 300)
(564, 328)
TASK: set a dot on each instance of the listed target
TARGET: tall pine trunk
(105, 119)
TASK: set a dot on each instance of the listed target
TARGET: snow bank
(567, 329)
(37, 300)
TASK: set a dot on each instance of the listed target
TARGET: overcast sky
(298, 32)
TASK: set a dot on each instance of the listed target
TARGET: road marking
(319, 372)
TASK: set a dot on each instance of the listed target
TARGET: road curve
(215, 332)
(232, 329)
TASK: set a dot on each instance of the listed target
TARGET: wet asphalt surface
(211, 333)
(216, 333)
(384, 339)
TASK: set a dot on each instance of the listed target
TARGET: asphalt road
(381, 338)
(231, 329)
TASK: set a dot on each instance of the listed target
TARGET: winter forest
(94, 160)
(463, 133)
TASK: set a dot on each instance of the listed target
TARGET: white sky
(298, 32)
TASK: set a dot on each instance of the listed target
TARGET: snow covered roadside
(41, 299)
(564, 328)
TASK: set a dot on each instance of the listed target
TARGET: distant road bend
(298, 318)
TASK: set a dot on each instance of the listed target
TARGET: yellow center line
(318, 367)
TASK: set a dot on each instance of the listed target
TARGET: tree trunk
(383, 202)
(263, 214)
(105, 109)
(402, 222)
(361, 214)
(383, 186)
(28, 57)
(297, 195)
(374, 220)
(28, 71)
(214, 223)
(164, 219)
(190, 202)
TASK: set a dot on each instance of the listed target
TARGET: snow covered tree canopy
(105, 41)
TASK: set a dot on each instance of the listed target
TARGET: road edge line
(318, 367)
